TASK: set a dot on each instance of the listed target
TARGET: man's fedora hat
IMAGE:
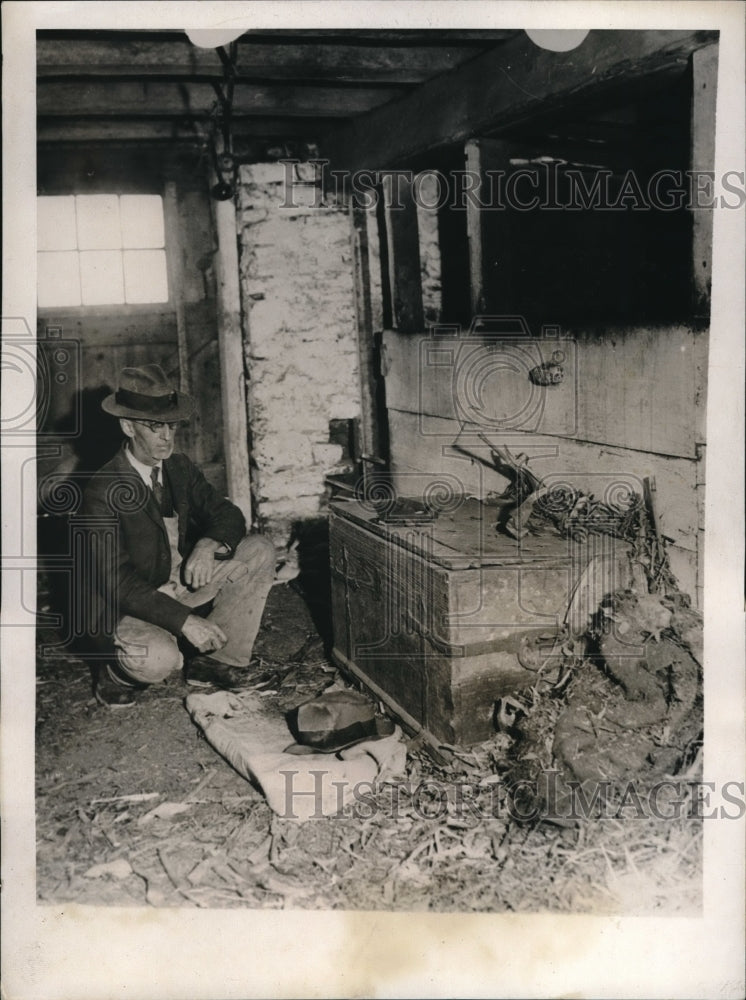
(334, 721)
(146, 394)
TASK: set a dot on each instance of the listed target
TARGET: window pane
(58, 278)
(98, 222)
(142, 220)
(145, 277)
(55, 223)
(101, 277)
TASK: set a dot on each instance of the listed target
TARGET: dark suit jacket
(131, 556)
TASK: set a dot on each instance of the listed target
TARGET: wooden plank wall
(629, 410)
(633, 401)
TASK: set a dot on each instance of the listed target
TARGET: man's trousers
(238, 591)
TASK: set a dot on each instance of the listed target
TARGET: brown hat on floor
(147, 394)
(334, 721)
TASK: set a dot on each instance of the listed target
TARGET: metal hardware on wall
(549, 372)
(224, 162)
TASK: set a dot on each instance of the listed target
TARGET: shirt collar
(145, 471)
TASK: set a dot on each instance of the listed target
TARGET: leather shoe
(110, 692)
(205, 671)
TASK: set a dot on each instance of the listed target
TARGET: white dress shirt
(145, 471)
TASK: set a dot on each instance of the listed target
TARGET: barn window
(101, 249)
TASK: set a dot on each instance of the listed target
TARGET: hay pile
(616, 712)
(183, 829)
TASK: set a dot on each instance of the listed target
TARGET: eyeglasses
(158, 425)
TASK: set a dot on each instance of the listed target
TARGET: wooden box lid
(463, 538)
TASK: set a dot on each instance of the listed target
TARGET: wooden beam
(333, 36)
(504, 86)
(382, 36)
(111, 329)
(269, 61)
(230, 344)
(143, 98)
(368, 309)
(73, 130)
(174, 129)
(702, 158)
(488, 233)
(475, 232)
(402, 238)
(175, 244)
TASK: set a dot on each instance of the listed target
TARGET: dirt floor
(134, 807)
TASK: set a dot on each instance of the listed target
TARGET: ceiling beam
(505, 86)
(333, 36)
(382, 36)
(144, 98)
(269, 61)
(76, 129)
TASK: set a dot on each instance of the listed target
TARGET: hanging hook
(224, 162)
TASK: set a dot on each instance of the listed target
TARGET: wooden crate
(431, 617)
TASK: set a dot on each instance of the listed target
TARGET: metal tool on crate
(522, 492)
(524, 489)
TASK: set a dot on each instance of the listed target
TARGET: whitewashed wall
(300, 343)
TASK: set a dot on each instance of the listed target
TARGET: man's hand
(203, 634)
(200, 565)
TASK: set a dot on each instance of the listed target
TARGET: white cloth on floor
(253, 738)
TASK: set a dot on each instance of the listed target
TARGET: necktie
(157, 488)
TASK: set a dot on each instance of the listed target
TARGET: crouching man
(173, 572)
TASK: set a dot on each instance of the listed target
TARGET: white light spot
(556, 40)
(212, 38)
